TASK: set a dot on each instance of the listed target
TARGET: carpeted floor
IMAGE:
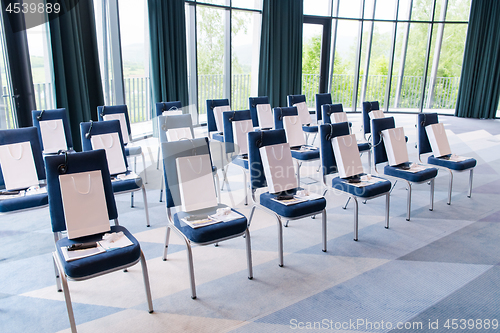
(439, 272)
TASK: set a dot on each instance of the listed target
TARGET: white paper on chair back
(376, 114)
(114, 154)
(241, 128)
(265, 116)
(303, 111)
(175, 112)
(53, 136)
(218, 110)
(176, 134)
(84, 203)
(196, 183)
(278, 167)
(18, 166)
(395, 145)
(123, 124)
(438, 139)
(339, 117)
(347, 156)
(293, 129)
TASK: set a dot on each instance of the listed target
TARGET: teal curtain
(77, 76)
(480, 79)
(168, 67)
(280, 68)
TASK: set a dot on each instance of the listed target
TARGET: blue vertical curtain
(479, 89)
(280, 69)
(77, 77)
(168, 67)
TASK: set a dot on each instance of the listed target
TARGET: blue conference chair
(424, 147)
(211, 124)
(297, 155)
(259, 139)
(160, 108)
(240, 160)
(367, 107)
(120, 186)
(308, 129)
(321, 99)
(252, 104)
(129, 150)
(329, 167)
(211, 234)
(61, 113)
(95, 265)
(17, 204)
(380, 156)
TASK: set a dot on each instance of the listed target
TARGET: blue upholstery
(176, 121)
(227, 118)
(240, 161)
(78, 162)
(211, 232)
(294, 99)
(310, 128)
(101, 262)
(306, 155)
(457, 166)
(362, 192)
(279, 113)
(167, 106)
(415, 177)
(211, 104)
(52, 115)
(218, 137)
(367, 107)
(114, 109)
(363, 146)
(296, 210)
(123, 185)
(378, 125)
(252, 104)
(321, 99)
(326, 133)
(328, 109)
(424, 119)
(21, 203)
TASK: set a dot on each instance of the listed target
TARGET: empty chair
(209, 234)
(125, 182)
(51, 115)
(369, 190)
(266, 201)
(399, 172)
(424, 147)
(130, 150)
(307, 128)
(98, 264)
(252, 104)
(16, 201)
(321, 99)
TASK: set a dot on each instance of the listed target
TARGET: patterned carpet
(439, 272)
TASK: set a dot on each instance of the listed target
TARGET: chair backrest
(378, 125)
(227, 118)
(170, 122)
(113, 109)
(75, 163)
(279, 113)
(24, 134)
(170, 152)
(321, 99)
(424, 119)
(211, 104)
(97, 128)
(367, 107)
(327, 132)
(39, 116)
(252, 104)
(328, 109)
(167, 106)
(294, 99)
(256, 140)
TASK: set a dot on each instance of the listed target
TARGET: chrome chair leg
(217, 187)
(144, 167)
(387, 202)
(431, 208)
(191, 269)
(355, 218)
(470, 182)
(299, 165)
(408, 204)
(146, 282)
(146, 210)
(131, 199)
(161, 187)
(249, 254)
(393, 186)
(450, 187)
(370, 161)
(347, 202)
(58, 276)
(314, 139)
(158, 159)
(67, 297)
(167, 239)
(280, 240)
(323, 227)
(224, 176)
(251, 215)
(286, 224)
(245, 186)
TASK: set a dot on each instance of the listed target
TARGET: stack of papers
(414, 167)
(198, 221)
(367, 180)
(456, 158)
(78, 254)
(21, 193)
(125, 176)
(110, 242)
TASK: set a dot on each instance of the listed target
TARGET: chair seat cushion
(458, 166)
(21, 203)
(101, 262)
(306, 155)
(416, 177)
(123, 185)
(362, 192)
(310, 129)
(296, 210)
(363, 146)
(211, 232)
(133, 150)
(241, 162)
(218, 137)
